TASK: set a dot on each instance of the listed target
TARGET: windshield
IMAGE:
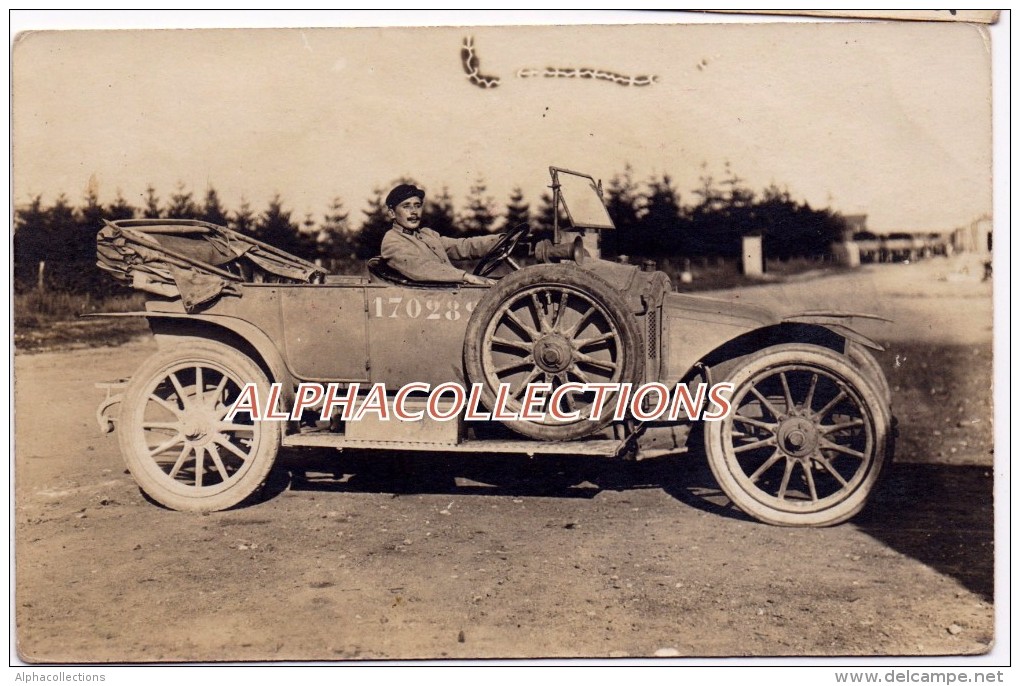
(580, 197)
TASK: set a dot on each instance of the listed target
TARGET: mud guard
(201, 326)
(837, 322)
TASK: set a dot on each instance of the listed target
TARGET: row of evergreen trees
(651, 221)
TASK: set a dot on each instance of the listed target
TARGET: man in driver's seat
(422, 254)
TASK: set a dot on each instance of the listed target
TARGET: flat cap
(402, 193)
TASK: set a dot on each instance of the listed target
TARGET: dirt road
(367, 556)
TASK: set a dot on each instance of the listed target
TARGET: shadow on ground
(940, 515)
(937, 514)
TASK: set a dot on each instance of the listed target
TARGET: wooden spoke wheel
(555, 325)
(805, 440)
(175, 436)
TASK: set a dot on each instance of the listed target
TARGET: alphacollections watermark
(535, 402)
(29, 677)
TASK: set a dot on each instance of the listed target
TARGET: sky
(888, 119)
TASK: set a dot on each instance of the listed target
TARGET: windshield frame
(581, 197)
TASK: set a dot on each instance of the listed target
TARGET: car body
(807, 433)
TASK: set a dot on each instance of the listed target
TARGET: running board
(602, 447)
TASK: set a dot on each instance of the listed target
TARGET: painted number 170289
(399, 307)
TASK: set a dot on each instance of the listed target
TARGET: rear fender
(246, 337)
(171, 328)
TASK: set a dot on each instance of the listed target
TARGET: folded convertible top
(194, 260)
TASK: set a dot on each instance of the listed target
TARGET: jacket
(424, 255)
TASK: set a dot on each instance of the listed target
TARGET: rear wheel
(176, 439)
(805, 439)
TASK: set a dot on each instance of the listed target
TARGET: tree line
(651, 220)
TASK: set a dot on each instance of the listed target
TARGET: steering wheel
(500, 252)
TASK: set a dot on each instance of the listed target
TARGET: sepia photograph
(635, 337)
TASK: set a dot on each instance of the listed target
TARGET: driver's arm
(469, 248)
(477, 280)
(413, 259)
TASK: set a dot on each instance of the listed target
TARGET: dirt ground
(386, 556)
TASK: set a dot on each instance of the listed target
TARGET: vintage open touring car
(808, 428)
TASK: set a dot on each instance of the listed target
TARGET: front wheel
(867, 363)
(805, 439)
(176, 439)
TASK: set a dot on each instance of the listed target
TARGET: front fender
(708, 331)
(839, 322)
(693, 326)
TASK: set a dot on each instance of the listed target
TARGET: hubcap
(199, 427)
(797, 436)
(553, 353)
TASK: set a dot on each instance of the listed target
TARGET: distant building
(855, 223)
(976, 237)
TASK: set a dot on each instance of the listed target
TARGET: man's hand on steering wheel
(500, 252)
(478, 280)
